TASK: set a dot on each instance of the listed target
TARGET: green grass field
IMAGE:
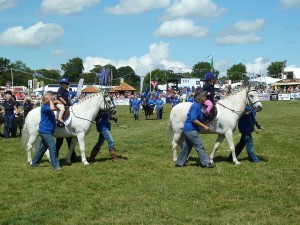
(146, 188)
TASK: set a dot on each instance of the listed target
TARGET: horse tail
(25, 136)
(170, 131)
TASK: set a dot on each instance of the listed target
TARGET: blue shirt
(175, 101)
(47, 124)
(247, 121)
(190, 99)
(160, 103)
(103, 123)
(151, 103)
(147, 95)
(136, 104)
(194, 113)
(9, 107)
(209, 88)
(64, 93)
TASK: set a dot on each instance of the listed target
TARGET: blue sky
(146, 33)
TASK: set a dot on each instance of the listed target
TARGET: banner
(29, 84)
(274, 97)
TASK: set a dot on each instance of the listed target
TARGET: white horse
(229, 109)
(82, 115)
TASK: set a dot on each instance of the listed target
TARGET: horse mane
(233, 94)
(88, 97)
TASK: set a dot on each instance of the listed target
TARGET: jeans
(136, 114)
(9, 125)
(105, 135)
(47, 142)
(246, 140)
(192, 139)
(159, 113)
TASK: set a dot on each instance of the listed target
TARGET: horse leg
(30, 143)
(175, 142)
(229, 137)
(80, 137)
(219, 140)
(71, 149)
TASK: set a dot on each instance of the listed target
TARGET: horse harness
(248, 101)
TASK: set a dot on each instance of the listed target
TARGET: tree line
(74, 70)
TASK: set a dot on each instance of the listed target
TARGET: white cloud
(7, 4)
(58, 53)
(36, 35)
(238, 39)
(186, 8)
(129, 7)
(259, 66)
(66, 7)
(290, 4)
(249, 26)
(183, 28)
(242, 32)
(158, 54)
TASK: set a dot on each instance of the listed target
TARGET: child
(246, 127)
(62, 100)
(46, 130)
(136, 104)
(210, 79)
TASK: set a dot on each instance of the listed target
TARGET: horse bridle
(248, 101)
(107, 107)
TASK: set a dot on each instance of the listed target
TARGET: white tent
(265, 80)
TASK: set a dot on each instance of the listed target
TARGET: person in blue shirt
(130, 104)
(246, 127)
(159, 108)
(191, 128)
(151, 106)
(175, 101)
(190, 98)
(103, 126)
(146, 94)
(136, 104)
(46, 130)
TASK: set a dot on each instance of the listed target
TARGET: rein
(107, 108)
(248, 101)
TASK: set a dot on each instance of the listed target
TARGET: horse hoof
(68, 162)
(86, 163)
(237, 163)
(211, 161)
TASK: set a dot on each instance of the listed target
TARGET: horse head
(109, 105)
(253, 99)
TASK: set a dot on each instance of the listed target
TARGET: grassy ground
(146, 188)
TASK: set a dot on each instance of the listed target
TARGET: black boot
(94, 152)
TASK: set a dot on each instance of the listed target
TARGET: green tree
(200, 69)
(237, 72)
(49, 76)
(275, 69)
(129, 76)
(73, 69)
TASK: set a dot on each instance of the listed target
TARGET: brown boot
(113, 155)
(94, 152)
